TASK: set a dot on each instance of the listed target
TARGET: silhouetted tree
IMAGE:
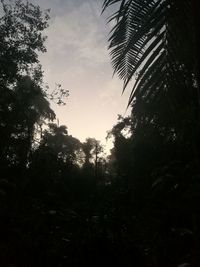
(21, 27)
(154, 45)
(23, 101)
(92, 150)
(28, 108)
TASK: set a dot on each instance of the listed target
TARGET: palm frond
(147, 39)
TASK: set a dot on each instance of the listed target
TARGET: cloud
(78, 32)
(76, 44)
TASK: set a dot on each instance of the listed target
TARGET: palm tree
(155, 43)
(154, 49)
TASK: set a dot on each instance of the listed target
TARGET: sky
(77, 57)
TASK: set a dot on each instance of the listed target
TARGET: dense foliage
(154, 49)
(62, 203)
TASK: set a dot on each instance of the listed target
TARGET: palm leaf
(148, 37)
